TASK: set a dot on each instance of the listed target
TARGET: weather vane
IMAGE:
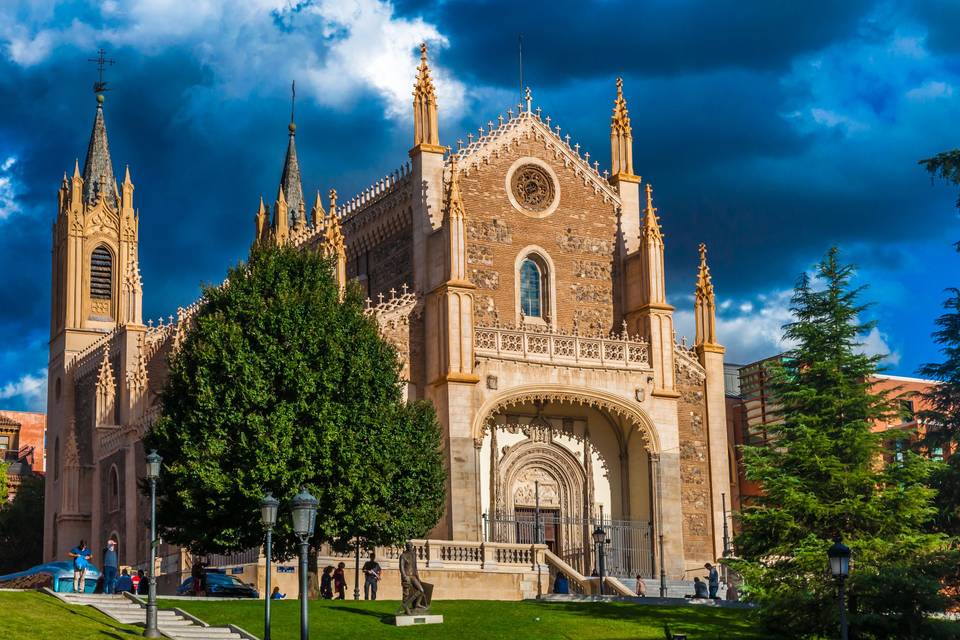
(102, 60)
(293, 97)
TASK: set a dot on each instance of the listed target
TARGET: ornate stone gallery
(524, 289)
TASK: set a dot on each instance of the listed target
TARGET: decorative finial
(528, 96)
(333, 201)
(650, 197)
(703, 252)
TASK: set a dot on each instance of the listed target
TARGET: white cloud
(8, 189)
(31, 390)
(833, 119)
(930, 90)
(335, 49)
(875, 344)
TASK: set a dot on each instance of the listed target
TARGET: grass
(36, 616)
(476, 620)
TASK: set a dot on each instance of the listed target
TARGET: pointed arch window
(101, 274)
(533, 287)
(113, 490)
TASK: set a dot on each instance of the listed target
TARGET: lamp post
(839, 555)
(268, 516)
(356, 572)
(304, 509)
(153, 472)
(600, 539)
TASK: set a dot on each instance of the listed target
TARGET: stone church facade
(525, 293)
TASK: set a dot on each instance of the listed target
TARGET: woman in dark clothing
(326, 584)
(340, 582)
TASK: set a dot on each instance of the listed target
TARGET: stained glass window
(531, 290)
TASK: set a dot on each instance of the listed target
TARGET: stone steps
(171, 623)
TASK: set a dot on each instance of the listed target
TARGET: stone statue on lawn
(416, 594)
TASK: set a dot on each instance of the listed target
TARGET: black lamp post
(600, 539)
(268, 516)
(153, 472)
(304, 509)
(839, 555)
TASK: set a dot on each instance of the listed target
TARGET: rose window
(533, 188)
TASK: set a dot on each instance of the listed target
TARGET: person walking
(326, 583)
(81, 560)
(110, 567)
(371, 577)
(713, 579)
(641, 587)
(340, 582)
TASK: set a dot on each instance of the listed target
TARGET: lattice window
(101, 274)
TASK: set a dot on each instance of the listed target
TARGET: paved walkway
(172, 623)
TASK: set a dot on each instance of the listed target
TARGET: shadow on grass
(706, 622)
(385, 618)
(101, 620)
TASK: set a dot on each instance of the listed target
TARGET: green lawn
(36, 616)
(479, 620)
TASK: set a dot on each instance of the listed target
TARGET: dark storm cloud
(769, 130)
(572, 38)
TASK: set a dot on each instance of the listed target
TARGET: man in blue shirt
(124, 583)
(110, 566)
(81, 560)
(713, 579)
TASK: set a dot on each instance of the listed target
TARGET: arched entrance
(553, 463)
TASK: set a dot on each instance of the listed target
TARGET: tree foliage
(21, 521)
(944, 165)
(3, 481)
(826, 475)
(280, 385)
(943, 417)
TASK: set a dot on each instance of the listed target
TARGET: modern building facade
(525, 292)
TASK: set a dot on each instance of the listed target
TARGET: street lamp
(268, 516)
(839, 555)
(153, 472)
(304, 509)
(600, 539)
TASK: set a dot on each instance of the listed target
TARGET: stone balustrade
(613, 352)
(461, 555)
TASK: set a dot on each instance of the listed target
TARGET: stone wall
(694, 471)
(579, 237)
(111, 519)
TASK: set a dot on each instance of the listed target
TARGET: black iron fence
(628, 554)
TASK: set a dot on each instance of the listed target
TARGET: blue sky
(770, 130)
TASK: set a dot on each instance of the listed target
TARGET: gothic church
(525, 292)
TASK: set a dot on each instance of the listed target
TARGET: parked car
(220, 585)
(55, 575)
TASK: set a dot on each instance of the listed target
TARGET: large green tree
(279, 384)
(827, 475)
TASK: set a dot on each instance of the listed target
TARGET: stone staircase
(172, 623)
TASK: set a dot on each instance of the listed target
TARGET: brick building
(525, 292)
(752, 408)
(22, 446)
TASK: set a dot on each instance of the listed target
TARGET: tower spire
(456, 233)
(426, 132)
(290, 182)
(98, 179)
(651, 222)
(705, 305)
(621, 136)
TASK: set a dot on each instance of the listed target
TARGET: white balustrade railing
(614, 352)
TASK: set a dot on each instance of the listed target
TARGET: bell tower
(96, 288)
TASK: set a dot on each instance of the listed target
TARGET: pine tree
(943, 420)
(825, 474)
(280, 385)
